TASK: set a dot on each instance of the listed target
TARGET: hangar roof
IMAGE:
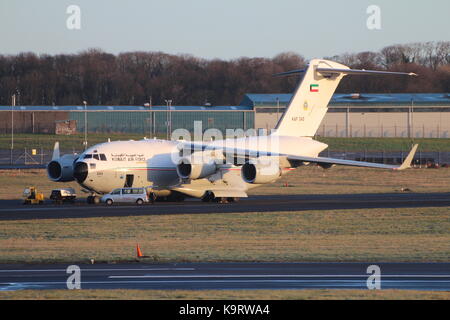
(250, 100)
(258, 99)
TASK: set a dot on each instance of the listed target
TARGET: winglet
(407, 163)
(56, 154)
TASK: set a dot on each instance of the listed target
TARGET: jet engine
(61, 169)
(189, 169)
(261, 170)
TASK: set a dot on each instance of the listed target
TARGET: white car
(133, 195)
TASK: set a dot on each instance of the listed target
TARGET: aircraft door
(129, 181)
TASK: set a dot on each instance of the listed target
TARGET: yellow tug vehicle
(31, 196)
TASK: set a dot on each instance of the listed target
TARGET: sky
(224, 29)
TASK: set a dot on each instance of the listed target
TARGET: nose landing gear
(93, 199)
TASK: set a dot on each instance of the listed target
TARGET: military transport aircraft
(221, 170)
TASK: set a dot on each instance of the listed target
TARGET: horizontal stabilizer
(326, 71)
(329, 71)
(287, 73)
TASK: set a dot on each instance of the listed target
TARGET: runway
(219, 276)
(13, 210)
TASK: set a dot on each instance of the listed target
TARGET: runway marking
(84, 270)
(276, 276)
(98, 207)
(218, 281)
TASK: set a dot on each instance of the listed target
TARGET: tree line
(137, 78)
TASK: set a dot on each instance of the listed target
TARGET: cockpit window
(95, 156)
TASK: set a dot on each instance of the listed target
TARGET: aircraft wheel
(93, 200)
(208, 197)
(221, 200)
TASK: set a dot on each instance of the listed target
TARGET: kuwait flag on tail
(313, 88)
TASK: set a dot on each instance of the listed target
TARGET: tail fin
(309, 104)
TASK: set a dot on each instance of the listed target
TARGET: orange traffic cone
(138, 251)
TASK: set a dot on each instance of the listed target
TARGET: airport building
(349, 115)
(366, 115)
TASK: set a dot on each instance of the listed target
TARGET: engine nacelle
(61, 169)
(188, 169)
(260, 171)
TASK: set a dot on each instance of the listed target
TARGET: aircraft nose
(80, 171)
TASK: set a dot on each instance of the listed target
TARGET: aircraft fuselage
(144, 163)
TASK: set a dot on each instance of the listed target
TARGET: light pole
(278, 111)
(85, 125)
(13, 104)
(412, 118)
(169, 118)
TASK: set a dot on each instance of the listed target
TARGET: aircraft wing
(247, 154)
(330, 161)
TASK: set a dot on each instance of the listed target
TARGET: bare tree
(133, 78)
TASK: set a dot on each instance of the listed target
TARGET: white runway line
(276, 276)
(84, 207)
(219, 281)
(103, 270)
(79, 208)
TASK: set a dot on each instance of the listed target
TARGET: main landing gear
(210, 197)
